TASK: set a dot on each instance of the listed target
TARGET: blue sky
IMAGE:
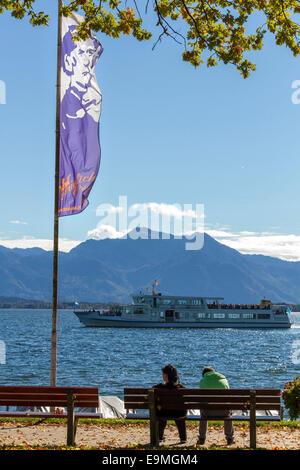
(169, 134)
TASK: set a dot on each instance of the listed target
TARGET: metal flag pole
(56, 218)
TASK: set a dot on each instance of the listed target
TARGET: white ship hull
(89, 319)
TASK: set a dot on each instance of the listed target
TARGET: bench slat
(203, 391)
(63, 403)
(135, 416)
(41, 415)
(138, 399)
(218, 406)
(244, 400)
(136, 391)
(189, 406)
(193, 402)
(136, 405)
(43, 396)
(217, 391)
(46, 389)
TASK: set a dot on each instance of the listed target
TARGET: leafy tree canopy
(211, 31)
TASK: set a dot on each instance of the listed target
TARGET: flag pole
(56, 218)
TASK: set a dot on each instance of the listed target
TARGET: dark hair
(171, 372)
(207, 369)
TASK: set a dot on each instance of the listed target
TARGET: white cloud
(169, 210)
(103, 231)
(221, 234)
(28, 242)
(283, 246)
(18, 222)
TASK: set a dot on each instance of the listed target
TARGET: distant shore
(15, 303)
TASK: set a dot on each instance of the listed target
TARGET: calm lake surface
(113, 358)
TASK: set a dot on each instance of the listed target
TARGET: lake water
(113, 358)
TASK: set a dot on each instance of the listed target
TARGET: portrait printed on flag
(79, 118)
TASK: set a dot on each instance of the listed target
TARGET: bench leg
(71, 420)
(154, 438)
(75, 427)
(252, 419)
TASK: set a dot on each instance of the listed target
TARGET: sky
(171, 136)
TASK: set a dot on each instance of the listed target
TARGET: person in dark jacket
(171, 381)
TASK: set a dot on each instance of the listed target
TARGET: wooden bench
(66, 397)
(245, 400)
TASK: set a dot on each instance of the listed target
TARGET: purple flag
(80, 110)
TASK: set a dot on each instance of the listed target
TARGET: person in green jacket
(212, 379)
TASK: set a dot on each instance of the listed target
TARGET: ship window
(162, 314)
(128, 310)
(166, 302)
(234, 315)
(219, 315)
(138, 311)
(181, 302)
(177, 315)
(263, 316)
(249, 316)
(153, 315)
(201, 315)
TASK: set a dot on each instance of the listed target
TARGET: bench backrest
(207, 399)
(86, 397)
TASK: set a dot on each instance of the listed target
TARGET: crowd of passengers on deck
(238, 306)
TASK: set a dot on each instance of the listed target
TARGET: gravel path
(107, 436)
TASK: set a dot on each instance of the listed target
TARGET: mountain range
(111, 269)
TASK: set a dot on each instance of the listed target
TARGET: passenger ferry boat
(164, 311)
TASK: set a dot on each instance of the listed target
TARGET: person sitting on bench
(171, 379)
(212, 379)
